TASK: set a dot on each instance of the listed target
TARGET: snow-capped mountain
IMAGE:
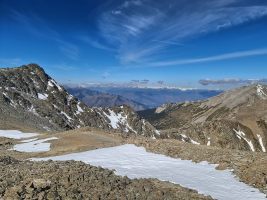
(32, 99)
(234, 119)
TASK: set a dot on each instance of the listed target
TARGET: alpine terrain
(33, 100)
(236, 119)
(133, 100)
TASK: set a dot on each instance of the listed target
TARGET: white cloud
(94, 43)
(138, 24)
(227, 56)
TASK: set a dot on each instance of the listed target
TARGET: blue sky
(175, 41)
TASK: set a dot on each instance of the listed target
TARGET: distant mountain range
(101, 99)
(138, 98)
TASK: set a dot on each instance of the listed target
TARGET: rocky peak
(247, 95)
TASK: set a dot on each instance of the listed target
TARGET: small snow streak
(241, 135)
(66, 115)
(185, 138)
(208, 144)
(260, 92)
(42, 96)
(79, 109)
(261, 143)
(52, 83)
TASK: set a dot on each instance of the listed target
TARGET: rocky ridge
(236, 119)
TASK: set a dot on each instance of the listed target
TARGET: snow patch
(29, 140)
(135, 162)
(157, 132)
(260, 92)
(261, 143)
(208, 144)
(32, 109)
(55, 106)
(42, 96)
(186, 139)
(34, 145)
(66, 115)
(116, 119)
(52, 83)
(12, 103)
(160, 109)
(79, 109)
(241, 135)
(14, 134)
(194, 142)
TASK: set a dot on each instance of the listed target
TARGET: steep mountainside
(100, 99)
(235, 119)
(31, 99)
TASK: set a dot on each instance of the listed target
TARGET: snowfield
(34, 145)
(134, 162)
(14, 134)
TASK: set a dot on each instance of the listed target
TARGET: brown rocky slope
(236, 119)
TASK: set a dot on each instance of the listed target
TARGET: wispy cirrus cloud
(132, 27)
(227, 56)
(94, 43)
